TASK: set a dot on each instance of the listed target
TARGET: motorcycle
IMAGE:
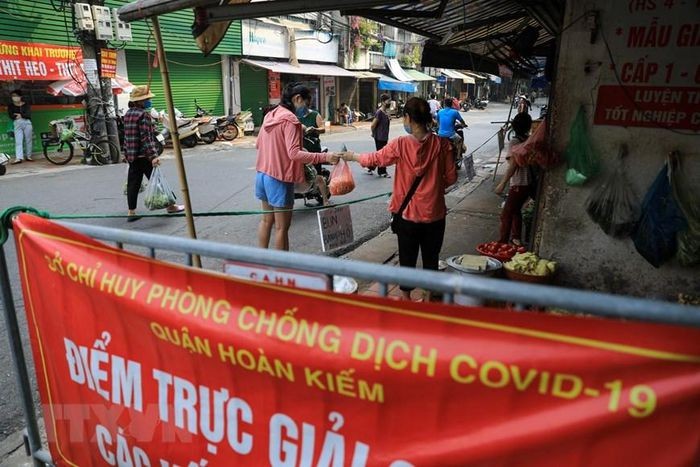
(207, 125)
(4, 160)
(481, 104)
(227, 127)
(187, 128)
(460, 147)
(309, 189)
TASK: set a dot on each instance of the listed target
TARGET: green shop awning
(418, 75)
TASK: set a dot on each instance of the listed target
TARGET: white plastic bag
(159, 195)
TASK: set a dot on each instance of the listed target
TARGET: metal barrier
(450, 285)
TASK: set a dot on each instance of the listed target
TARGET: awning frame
(312, 69)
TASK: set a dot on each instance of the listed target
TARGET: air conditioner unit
(83, 17)
(122, 29)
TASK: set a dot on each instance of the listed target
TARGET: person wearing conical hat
(140, 148)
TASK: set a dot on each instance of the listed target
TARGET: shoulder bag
(396, 216)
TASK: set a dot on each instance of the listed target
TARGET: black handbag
(397, 215)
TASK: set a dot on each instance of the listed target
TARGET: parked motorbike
(4, 160)
(207, 125)
(227, 127)
(309, 190)
(481, 104)
(187, 128)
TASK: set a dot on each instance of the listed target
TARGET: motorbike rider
(434, 105)
(447, 118)
(313, 125)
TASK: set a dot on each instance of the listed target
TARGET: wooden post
(172, 121)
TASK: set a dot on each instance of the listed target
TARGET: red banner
(37, 62)
(649, 106)
(108, 63)
(142, 362)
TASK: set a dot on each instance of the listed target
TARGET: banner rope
(7, 214)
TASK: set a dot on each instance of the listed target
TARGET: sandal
(175, 208)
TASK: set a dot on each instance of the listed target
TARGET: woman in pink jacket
(422, 154)
(280, 164)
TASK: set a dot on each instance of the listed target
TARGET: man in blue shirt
(446, 119)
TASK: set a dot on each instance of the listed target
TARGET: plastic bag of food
(144, 182)
(341, 182)
(688, 199)
(613, 205)
(582, 159)
(159, 195)
(662, 219)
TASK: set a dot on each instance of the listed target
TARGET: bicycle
(59, 147)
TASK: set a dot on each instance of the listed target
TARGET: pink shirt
(431, 157)
(280, 153)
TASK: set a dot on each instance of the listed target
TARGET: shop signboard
(37, 62)
(146, 362)
(272, 41)
(108, 63)
(653, 81)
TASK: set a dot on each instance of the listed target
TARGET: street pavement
(221, 178)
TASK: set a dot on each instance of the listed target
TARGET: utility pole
(100, 109)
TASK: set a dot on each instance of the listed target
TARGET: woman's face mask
(301, 108)
(147, 104)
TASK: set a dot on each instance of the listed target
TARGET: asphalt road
(221, 178)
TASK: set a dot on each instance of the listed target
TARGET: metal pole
(14, 337)
(172, 121)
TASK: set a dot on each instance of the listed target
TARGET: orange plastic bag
(341, 182)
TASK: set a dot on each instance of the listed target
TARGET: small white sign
(277, 276)
(90, 64)
(335, 225)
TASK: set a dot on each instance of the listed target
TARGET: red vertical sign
(273, 85)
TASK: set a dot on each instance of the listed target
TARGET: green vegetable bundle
(159, 195)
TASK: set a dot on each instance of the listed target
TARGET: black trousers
(137, 169)
(427, 238)
(379, 145)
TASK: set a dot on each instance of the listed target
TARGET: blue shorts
(276, 193)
